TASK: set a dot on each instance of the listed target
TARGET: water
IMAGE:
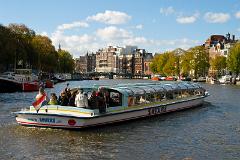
(208, 132)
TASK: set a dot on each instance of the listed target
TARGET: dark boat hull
(8, 85)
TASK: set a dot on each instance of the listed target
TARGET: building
(141, 62)
(127, 60)
(147, 62)
(126, 64)
(86, 63)
(91, 62)
(138, 62)
(107, 60)
(219, 45)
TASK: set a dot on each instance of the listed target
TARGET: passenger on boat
(80, 100)
(101, 104)
(85, 100)
(63, 99)
(41, 93)
(53, 99)
(93, 100)
(107, 98)
(68, 92)
(72, 99)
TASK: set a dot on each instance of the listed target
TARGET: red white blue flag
(39, 102)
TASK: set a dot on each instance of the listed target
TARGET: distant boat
(49, 83)
(20, 80)
(155, 78)
(58, 79)
(225, 79)
(9, 85)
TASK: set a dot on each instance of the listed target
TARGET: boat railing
(66, 109)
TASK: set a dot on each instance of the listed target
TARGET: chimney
(233, 37)
(228, 36)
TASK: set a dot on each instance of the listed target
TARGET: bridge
(109, 75)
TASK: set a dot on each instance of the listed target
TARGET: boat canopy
(148, 88)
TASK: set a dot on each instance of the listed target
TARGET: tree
(218, 63)
(186, 63)
(23, 49)
(7, 48)
(171, 66)
(200, 61)
(233, 60)
(46, 55)
(66, 62)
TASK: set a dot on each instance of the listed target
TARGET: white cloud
(135, 41)
(112, 33)
(211, 17)
(72, 25)
(167, 11)
(140, 26)
(187, 19)
(75, 44)
(110, 17)
(238, 29)
(43, 33)
(237, 15)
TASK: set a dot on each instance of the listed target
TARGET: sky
(82, 26)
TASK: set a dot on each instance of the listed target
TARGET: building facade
(86, 63)
(107, 60)
(219, 45)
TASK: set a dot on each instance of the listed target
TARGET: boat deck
(83, 112)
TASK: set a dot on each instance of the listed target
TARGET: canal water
(211, 131)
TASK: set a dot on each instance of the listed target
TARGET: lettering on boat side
(48, 120)
(157, 110)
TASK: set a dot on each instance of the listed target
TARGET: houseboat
(122, 102)
(20, 80)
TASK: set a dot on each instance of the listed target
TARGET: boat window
(130, 101)
(169, 95)
(140, 100)
(115, 99)
(149, 98)
(199, 92)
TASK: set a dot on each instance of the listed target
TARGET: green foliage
(20, 47)
(218, 63)
(200, 61)
(195, 59)
(186, 63)
(46, 55)
(165, 64)
(233, 60)
(66, 62)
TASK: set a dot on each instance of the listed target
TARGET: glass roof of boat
(146, 88)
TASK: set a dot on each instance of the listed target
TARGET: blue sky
(156, 25)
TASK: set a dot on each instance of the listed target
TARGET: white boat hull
(74, 121)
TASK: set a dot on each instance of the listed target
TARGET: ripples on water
(208, 132)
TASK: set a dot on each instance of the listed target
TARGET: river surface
(211, 131)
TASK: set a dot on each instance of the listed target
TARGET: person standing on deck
(80, 98)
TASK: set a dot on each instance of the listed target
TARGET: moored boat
(9, 85)
(20, 80)
(125, 102)
(30, 86)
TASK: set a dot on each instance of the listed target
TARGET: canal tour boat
(122, 102)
